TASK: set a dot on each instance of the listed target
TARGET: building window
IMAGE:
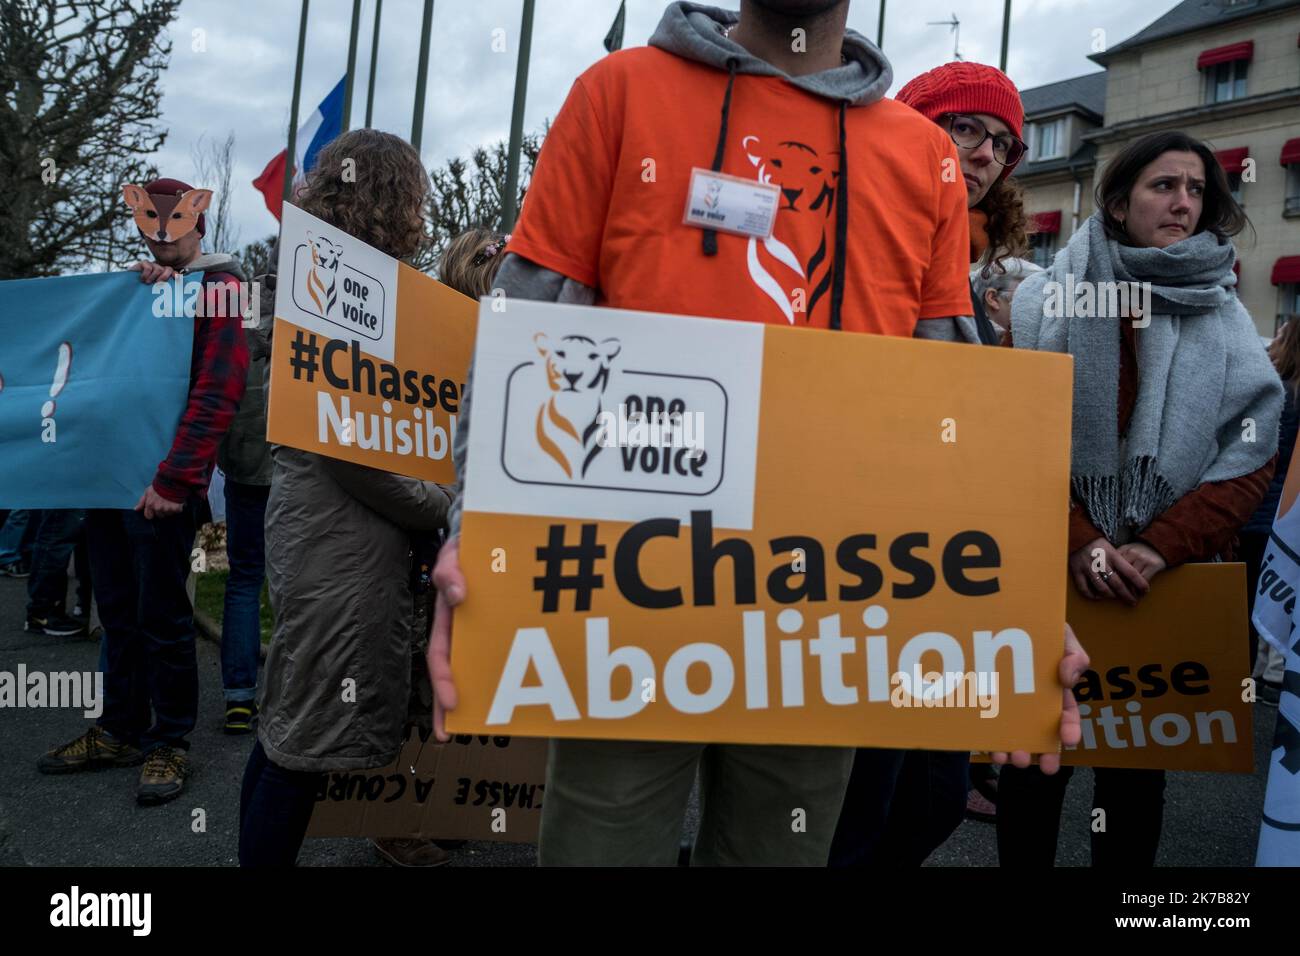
(1288, 309)
(1291, 204)
(1047, 140)
(1042, 248)
(1225, 81)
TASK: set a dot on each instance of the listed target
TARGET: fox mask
(165, 218)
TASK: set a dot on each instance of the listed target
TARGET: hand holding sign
(1073, 664)
(1100, 570)
(450, 582)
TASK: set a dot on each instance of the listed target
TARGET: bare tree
(468, 193)
(79, 99)
(256, 256)
(214, 161)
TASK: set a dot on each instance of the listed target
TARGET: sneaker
(96, 749)
(53, 623)
(163, 776)
(404, 852)
(15, 569)
(239, 717)
(980, 807)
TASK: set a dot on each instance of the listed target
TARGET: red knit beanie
(966, 88)
(174, 187)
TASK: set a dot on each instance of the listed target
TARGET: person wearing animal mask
(140, 558)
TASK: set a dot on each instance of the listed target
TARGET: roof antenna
(956, 31)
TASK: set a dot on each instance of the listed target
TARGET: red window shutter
(1286, 269)
(1226, 54)
(1045, 222)
(1291, 152)
(1233, 160)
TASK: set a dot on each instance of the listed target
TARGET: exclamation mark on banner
(61, 369)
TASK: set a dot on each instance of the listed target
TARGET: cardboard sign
(471, 788)
(1164, 689)
(700, 530)
(369, 356)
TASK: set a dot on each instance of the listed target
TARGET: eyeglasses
(969, 133)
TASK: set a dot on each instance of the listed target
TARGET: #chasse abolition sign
(691, 529)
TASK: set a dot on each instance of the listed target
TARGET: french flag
(323, 125)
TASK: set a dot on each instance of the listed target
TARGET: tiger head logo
(807, 180)
(568, 421)
(321, 279)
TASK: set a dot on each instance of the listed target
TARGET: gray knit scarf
(1202, 374)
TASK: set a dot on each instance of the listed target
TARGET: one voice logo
(77, 909)
(327, 287)
(578, 416)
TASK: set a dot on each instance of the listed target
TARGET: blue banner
(93, 382)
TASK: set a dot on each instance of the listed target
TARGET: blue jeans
(151, 679)
(16, 537)
(241, 629)
(56, 534)
(275, 807)
(901, 805)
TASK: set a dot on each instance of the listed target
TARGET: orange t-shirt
(607, 197)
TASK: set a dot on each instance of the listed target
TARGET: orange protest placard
(689, 529)
(1165, 686)
(369, 356)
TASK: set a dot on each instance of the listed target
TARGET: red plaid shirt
(218, 370)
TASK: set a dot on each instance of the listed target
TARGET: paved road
(92, 819)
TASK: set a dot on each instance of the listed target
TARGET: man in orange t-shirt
(868, 235)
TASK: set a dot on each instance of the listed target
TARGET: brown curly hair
(373, 186)
(1004, 204)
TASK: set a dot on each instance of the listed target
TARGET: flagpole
(352, 66)
(508, 201)
(417, 120)
(1006, 34)
(374, 53)
(293, 110)
(880, 27)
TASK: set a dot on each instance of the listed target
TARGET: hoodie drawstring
(710, 239)
(841, 224)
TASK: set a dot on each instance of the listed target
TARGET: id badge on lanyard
(731, 204)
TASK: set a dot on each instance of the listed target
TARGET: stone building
(1224, 71)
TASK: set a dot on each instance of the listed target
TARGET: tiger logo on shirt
(568, 421)
(807, 180)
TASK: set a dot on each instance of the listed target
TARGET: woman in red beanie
(902, 805)
(980, 108)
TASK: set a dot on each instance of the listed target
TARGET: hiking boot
(403, 852)
(239, 717)
(53, 623)
(94, 750)
(163, 776)
(15, 569)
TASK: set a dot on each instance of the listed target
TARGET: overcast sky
(242, 81)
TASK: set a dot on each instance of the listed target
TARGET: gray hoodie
(693, 31)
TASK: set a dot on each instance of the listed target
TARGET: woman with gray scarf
(1176, 411)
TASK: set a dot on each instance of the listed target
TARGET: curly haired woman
(338, 555)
